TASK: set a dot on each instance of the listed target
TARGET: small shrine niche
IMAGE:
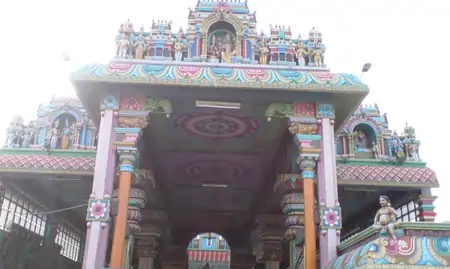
(63, 131)
(221, 43)
(63, 124)
(366, 135)
(364, 138)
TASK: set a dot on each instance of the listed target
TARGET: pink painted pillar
(328, 193)
(102, 186)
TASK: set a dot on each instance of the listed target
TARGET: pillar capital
(308, 167)
(325, 111)
(128, 157)
(109, 102)
(307, 164)
(127, 137)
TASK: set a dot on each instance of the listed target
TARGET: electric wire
(59, 210)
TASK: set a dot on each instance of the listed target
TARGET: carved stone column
(426, 207)
(133, 118)
(292, 206)
(147, 249)
(271, 227)
(127, 157)
(98, 217)
(308, 165)
(142, 180)
(148, 240)
(329, 207)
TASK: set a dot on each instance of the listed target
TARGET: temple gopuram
(216, 147)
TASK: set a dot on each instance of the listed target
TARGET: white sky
(405, 40)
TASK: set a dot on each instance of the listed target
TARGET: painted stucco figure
(54, 135)
(213, 50)
(317, 55)
(178, 49)
(227, 49)
(301, 53)
(139, 46)
(26, 138)
(386, 217)
(263, 53)
(122, 47)
(375, 150)
(65, 135)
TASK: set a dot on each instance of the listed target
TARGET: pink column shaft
(328, 192)
(97, 236)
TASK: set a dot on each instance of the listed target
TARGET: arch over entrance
(208, 251)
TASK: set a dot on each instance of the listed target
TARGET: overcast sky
(407, 43)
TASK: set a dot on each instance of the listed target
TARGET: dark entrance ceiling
(211, 163)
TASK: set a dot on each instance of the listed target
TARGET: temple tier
(216, 147)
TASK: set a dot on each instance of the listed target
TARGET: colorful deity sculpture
(65, 135)
(317, 55)
(139, 45)
(227, 49)
(263, 52)
(122, 47)
(301, 53)
(15, 131)
(26, 138)
(375, 150)
(414, 152)
(178, 49)
(54, 135)
(213, 50)
(386, 217)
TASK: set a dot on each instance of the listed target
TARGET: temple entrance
(208, 251)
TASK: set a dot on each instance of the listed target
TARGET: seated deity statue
(213, 50)
(386, 217)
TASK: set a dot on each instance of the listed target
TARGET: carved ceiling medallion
(217, 125)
